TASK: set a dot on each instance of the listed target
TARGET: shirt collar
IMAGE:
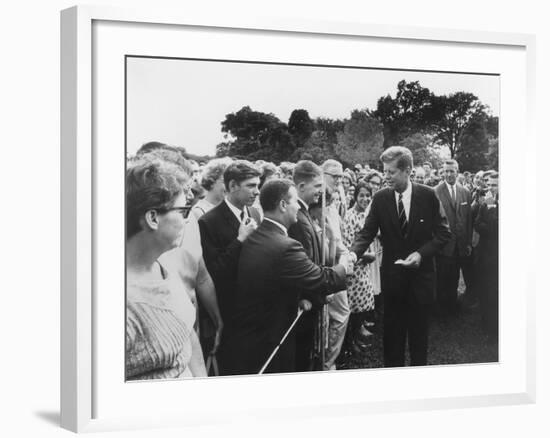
(235, 210)
(303, 205)
(450, 187)
(406, 193)
(281, 226)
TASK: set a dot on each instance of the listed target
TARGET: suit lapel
(393, 211)
(413, 211)
(230, 217)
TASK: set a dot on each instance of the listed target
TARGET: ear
(151, 219)
(233, 185)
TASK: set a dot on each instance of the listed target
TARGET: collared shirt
(302, 204)
(236, 211)
(281, 226)
(406, 199)
(451, 188)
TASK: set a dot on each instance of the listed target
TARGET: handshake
(349, 259)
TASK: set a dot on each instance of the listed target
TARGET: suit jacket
(272, 271)
(304, 232)
(427, 232)
(460, 219)
(219, 229)
(486, 224)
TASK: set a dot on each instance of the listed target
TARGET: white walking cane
(300, 311)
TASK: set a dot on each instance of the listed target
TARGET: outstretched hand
(412, 261)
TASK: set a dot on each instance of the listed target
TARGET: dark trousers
(406, 316)
(305, 338)
(448, 275)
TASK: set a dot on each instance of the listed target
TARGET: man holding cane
(273, 270)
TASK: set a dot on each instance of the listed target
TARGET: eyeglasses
(184, 211)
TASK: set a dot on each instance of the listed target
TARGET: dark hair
(401, 154)
(305, 171)
(361, 185)
(151, 182)
(273, 192)
(239, 171)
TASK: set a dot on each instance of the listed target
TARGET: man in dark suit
(308, 179)
(413, 227)
(223, 230)
(456, 254)
(273, 271)
(486, 224)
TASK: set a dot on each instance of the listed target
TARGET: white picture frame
(83, 213)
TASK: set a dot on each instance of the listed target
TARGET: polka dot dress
(359, 285)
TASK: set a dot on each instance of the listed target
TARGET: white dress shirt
(451, 189)
(236, 211)
(406, 199)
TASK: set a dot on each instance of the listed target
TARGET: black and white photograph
(288, 218)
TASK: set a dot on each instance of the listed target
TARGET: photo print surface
(285, 218)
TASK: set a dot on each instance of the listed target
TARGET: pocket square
(464, 203)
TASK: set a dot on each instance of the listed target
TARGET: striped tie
(402, 215)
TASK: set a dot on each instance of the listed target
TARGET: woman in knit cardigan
(160, 340)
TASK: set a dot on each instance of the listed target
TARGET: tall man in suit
(223, 230)
(413, 227)
(273, 271)
(456, 254)
(308, 180)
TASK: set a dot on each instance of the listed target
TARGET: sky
(183, 102)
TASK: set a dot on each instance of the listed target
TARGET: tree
(422, 148)
(255, 135)
(361, 141)
(474, 143)
(300, 126)
(406, 114)
(450, 115)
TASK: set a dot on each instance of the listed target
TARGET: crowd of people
(238, 267)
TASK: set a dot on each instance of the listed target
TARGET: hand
(246, 228)
(412, 261)
(305, 305)
(468, 251)
(217, 339)
(367, 258)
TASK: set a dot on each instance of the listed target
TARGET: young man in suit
(413, 228)
(273, 272)
(308, 180)
(223, 230)
(456, 254)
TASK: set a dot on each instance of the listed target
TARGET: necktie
(242, 216)
(402, 215)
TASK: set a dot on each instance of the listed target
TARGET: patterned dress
(159, 330)
(360, 290)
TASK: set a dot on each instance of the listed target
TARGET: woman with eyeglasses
(160, 340)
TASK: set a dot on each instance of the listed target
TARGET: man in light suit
(274, 270)
(413, 228)
(223, 230)
(456, 254)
